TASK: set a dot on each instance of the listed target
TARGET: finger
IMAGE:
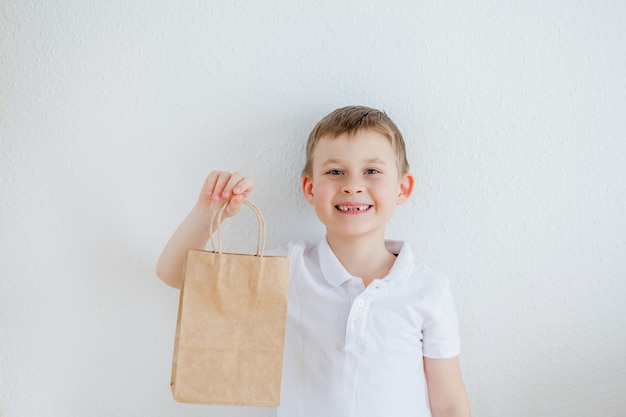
(220, 183)
(209, 182)
(244, 187)
(234, 179)
(234, 205)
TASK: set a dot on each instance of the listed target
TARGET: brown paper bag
(231, 326)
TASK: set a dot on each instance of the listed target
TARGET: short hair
(350, 120)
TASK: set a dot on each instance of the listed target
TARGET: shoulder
(433, 287)
(410, 270)
(429, 278)
(292, 250)
(417, 280)
(303, 257)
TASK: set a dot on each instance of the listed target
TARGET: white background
(112, 113)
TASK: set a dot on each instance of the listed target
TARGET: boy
(370, 331)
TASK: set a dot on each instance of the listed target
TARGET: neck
(363, 257)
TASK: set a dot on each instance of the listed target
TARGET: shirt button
(361, 303)
(360, 342)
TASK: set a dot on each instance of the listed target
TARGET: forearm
(192, 233)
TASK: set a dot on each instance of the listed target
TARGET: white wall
(112, 112)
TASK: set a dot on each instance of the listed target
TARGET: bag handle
(260, 248)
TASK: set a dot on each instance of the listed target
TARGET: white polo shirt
(356, 351)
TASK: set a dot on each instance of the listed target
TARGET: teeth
(352, 208)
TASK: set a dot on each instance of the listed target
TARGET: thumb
(234, 204)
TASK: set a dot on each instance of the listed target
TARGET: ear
(307, 189)
(407, 182)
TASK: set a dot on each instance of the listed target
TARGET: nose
(351, 186)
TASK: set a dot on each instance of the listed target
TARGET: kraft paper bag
(231, 326)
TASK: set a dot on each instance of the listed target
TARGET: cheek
(387, 190)
(384, 187)
(322, 191)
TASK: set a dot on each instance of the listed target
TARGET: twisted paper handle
(260, 248)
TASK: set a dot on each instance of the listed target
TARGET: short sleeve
(441, 337)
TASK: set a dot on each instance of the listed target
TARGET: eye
(371, 171)
(334, 172)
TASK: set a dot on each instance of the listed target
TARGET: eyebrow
(332, 161)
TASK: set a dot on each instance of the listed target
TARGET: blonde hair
(350, 120)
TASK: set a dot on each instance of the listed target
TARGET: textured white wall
(112, 112)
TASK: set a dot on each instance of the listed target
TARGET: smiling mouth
(362, 207)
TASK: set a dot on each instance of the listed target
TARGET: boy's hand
(195, 230)
(222, 186)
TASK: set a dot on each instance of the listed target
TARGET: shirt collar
(335, 273)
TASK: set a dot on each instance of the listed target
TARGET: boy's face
(355, 184)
